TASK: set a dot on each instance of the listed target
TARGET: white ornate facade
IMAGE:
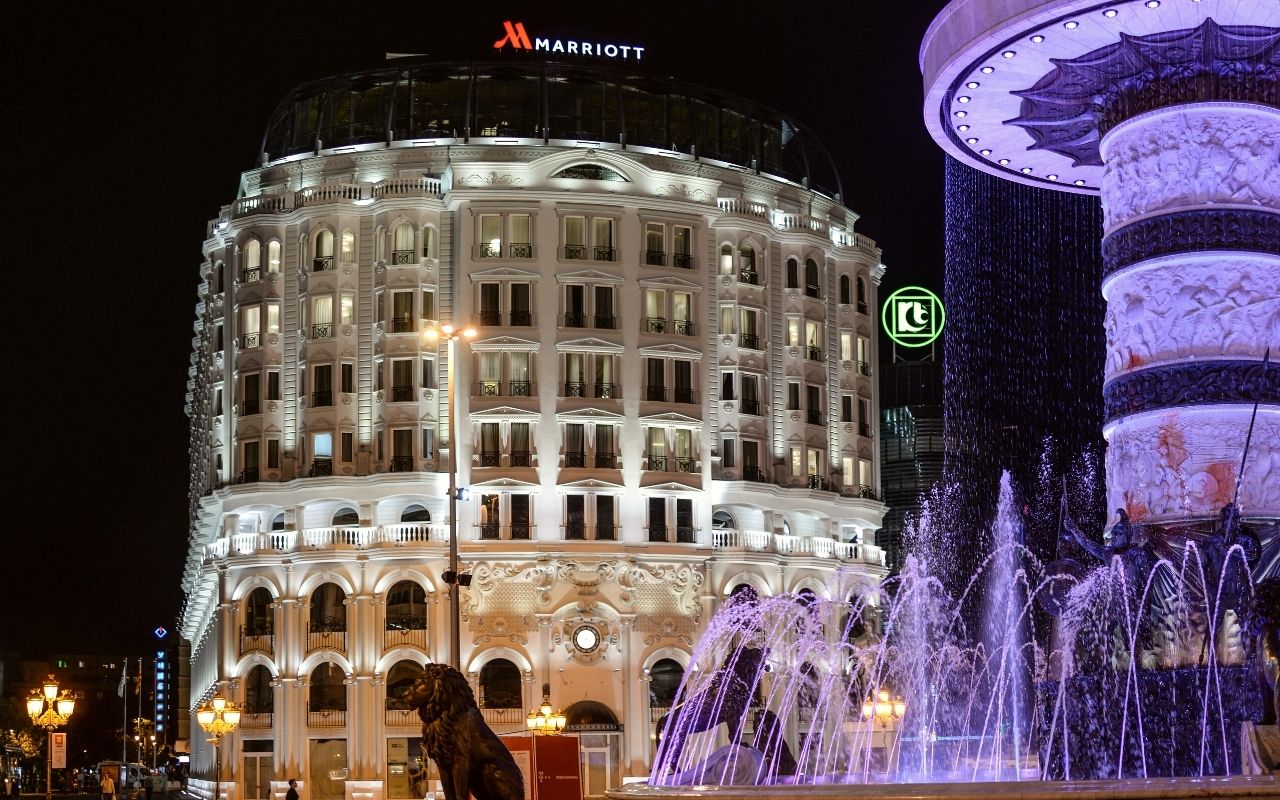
(670, 393)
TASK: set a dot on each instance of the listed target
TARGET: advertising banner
(59, 744)
(557, 763)
(521, 748)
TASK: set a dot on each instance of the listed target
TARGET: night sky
(128, 126)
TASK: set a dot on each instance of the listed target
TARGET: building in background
(911, 446)
(670, 393)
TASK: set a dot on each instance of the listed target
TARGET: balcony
(575, 390)
(686, 535)
(521, 319)
(323, 330)
(658, 393)
(520, 388)
(490, 250)
(813, 353)
(607, 323)
(489, 530)
(575, 319)
(399, 257)
(657, 463)
(401, 717)
(754, 474)
(329, 633)
(250, 341)
(655, 325)
(810, 290)
(786, 544)
(403, 325)
(256, 719)
(321, 399)
(867, 492)
(403, 394)
(655, 258)
(489, 389)
(520, 458)
(682, 260)
(608, 391)
(404, 629)
(489, 317)
(750, 341)
(575, 530)
(521, 530)
(251, 275)
(575, 459)
(682, 327)
(813, 416)
(347, 536)
(684, 395)
(320, 468)
(604, 253)
(322, 264)
(256, 639)
(686, 465)
(605, 460)
(250, 407)
(864, 368)
(489, 458)
(575, 252)
(749, 277)
(751, 407)
(248, 475)
(520, 250)
(820, 483)
(657, 533)
(864, 429)
(326, 718)
(401, 464)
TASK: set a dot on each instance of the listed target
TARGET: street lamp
(153, 752)
(451, 577)
(217, 717)
(50, 708)
(884, 711)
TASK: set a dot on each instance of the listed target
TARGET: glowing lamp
(532, 721)
(205, 717)
(66, 705)
(219, 702)
(546, 709)
(231, 716)
(899, 709)
(35, 704)
(50, 689)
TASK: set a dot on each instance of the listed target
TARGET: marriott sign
(516, 36)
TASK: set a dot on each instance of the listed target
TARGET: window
(846, 292)
(846, 408)
(682, 313)
(862, 295)
(321, 455)
(575, 520)
(500, 685)
(864, 474)
(250, 391)
(428, 443)
(490, 374)
(575, 376)
(657, 519)
(728, 452)
(322, 317)
(327, 691)
(813, 340)
(793, 396)
(797, 461)
(490, 455)
(655, 379)
(864, 416)
(252, 261)
(346, 516)
(655, 311)
(250, 461)
(348, 379)
(726, 386)
(273, 317)
(813, 404)
(521, 304)
(793, 331)
(605, 387)
(684, 460)
(490, 304)
(250, 326)
(402, 312)
(520, 444)
(575, 306)
(403, 674)
(655, 253)
(347, 310)
(664, 682)
(685, 532)
(575, 236)
(682, 247)
(575, 445)
(847, 473)
(589, 172)
(747, 265)
(428, 373)
(682, 389)
(606, 452)
(348, 447)
(864, 355)
(348, 247)
(657, 441)
(322, 385)
(402, 244)
(750, 335)
(429, 241)
(518, 364)
(605, 517)
(793, 274)
(259, 618)
(273, 455)
(273, 256)
(258, 694)
(415, 512)
(726, 259)
(520, 516)
(490, 245)
(328, 608)
(324, 252)
(521, 239)
(811, 286)
(846, 346)
(604, 317)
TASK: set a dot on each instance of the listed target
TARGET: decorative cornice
(1190, 384)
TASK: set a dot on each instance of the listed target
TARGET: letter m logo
(516, 36)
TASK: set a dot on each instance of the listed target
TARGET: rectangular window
(348, 377)
(489, 444)
(574, 445)
(520, 236)
(273, 317)
(846, 346)
(217, 338)
(864, 349)
(602, 230)
(348, 447)
(793, 396)
(793, 274)
(575, 306)
(846, 408)
(575, 517)
(322, 386)
(347, 314)
(655, 374)
(251, 391)
(273, 454)
(605, 452)
(251, 460)
(812, 334)
(864, 472)
(728, 452)
(797, 462)
(726, 386)
(428, 442)
(793, 331)
(521, 304)
(604, 307)
(217, 402)
(657, 519)
(402, 444)
(681, 241)
(520, 517)
(575, 236)
(726, 319)
(250, 319)
(864, 416)
(684, 520)
(490, 303)
(322, 445)
(402, 377)
(429, 305)
(428, 373)
(847, 475)
(490, 236)
(654, 244)
(520, 444)
(604, 516)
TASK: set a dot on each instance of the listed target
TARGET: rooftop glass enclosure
(544, 101)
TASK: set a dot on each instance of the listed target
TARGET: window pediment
(592, 484)
(589, 415)
(504, 483)
(671, 419)
(503, 343)
(671, 351)
(503, 274)
(590, 345)
(587, 276)
(504, 414)
(670, 283)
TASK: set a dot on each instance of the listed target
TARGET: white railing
(397, 535)
(408, 187)
(816, 546)
(745, 208)
(800, 222)
(261, 204)
(328, 193)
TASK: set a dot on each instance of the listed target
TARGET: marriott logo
(517, 37)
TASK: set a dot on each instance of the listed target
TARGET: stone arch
(398, 654)
(394, 576)
(244, 587)
(752, 579)
(309, 664)
(813, 584)
(250, 660)
(309, 585)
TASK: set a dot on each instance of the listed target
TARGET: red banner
(557, 765)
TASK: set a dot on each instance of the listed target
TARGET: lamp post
(884, 711)
(451, 577)
(153, 752)
(50, 708)
(218, 717)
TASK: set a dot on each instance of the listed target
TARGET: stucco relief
(1183, 464)
(1208, 308)
(1191, 157)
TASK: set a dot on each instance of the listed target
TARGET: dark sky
(129, 125)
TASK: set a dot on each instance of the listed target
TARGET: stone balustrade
(790, 545)
(355, 537)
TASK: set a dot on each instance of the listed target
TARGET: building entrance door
(258, 768)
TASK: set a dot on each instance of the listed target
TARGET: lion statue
(473, 761)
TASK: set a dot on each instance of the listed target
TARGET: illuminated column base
(1191, 198)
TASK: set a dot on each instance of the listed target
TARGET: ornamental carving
(679, 582)
(1191, 383)
(586, 579)
(1202, 309)
(1241, 229)
(1227, 155)
(1184, 464)
(492, 179)
(1062, 113)
(685, 191)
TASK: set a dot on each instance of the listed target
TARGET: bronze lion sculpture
(473, 761)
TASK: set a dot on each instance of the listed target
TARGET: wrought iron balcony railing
(521, 250)
(864, 429)
(401, 257)
(655, 325)
(575, 252)
(575, 459)
(320, 468)
(489, 389)
(250, 407)
(819, 482)
(402, 394)
(605, 460)
(251, 275)
(490, 530)
(248, 475)
(682, 327)
(655, 258)
(605, 253)
(657, 533)
(605, 533)
(811, 290)
(657, 463)
(867, 492)
(575, 530)
(749, 277)
(403, 325)
(608, 391)
(686, 535)
(491, 250)
(813, 353)
(686, 465)
(521, 388)
(605, 322)
(323, 330)
(250, 341)
(575, 319)
(751, 407)
(864, 368)
(682, 260)
(489, 317)
(520, 458)
(862, 306)
(684, 395)
(489, 458)
(521, 319)
(655, 393)
(321, 399)
(401, 464)
(575, 390)
(521, 530)
(749, 340)
(322, 264)
(754, 474)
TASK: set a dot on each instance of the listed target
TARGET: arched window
(590, 172)
(348, 247)
(346, 515)
(747, 262)
(428, 242)
(277, 524)
(415, 512)
(402, 244)
(862, 295)
(259, 697)
(793, 274)
(328, 609)
(324, 244)
(400, 680)
(726, 260)
(328, 692)
(846, 291)
(407, 607)
(273, 256)
(811, 286)
(664, 682)
(259, 620)
(500, 685)
(745, 593)
(252, 254)
(723, 520)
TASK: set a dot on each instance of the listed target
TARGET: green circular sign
(913, 316)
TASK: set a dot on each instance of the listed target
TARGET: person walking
(107, 786)
(292, 794)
